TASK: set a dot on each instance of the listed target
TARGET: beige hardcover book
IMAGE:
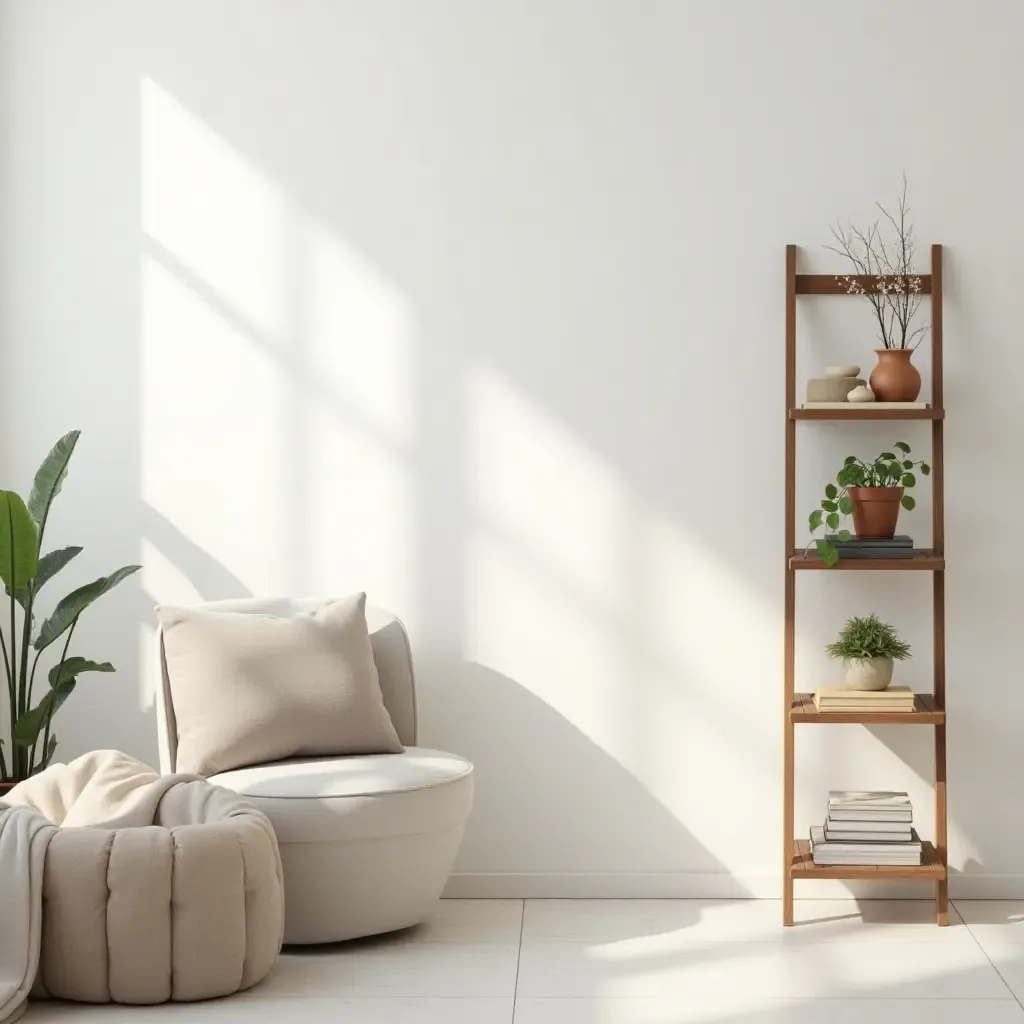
(886, 708)
(866, 405)
(894, 693)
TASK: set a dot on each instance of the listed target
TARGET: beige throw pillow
(250, 688)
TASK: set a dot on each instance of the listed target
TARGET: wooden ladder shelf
(930, 709)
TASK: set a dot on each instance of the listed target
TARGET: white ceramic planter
(867, 673)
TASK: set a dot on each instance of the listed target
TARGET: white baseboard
(986, 887)
(713, 885)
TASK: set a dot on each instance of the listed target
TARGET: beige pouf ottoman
(190, 907)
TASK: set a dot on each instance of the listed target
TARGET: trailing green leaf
(815, 520)
(843, 535)
(832, 519)
(908, 502)
(830, 491)
(76, 602)
(902, 446)
(829, 506)
(925, 468)
(909, 480)
(826, 552)
(846, 505)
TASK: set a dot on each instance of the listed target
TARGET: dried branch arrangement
(896, 296)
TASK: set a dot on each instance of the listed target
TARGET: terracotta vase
(875, 511)
(895, 378)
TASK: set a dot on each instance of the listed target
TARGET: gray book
(901, 540)
(847, 815)
(834, 835)
(896, 827)
(892, 854)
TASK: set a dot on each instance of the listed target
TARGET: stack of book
(867, 547)
(835, 698)
(872, 828)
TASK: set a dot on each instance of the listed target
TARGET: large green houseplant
(30, 743)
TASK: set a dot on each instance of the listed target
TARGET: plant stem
(49, 711)
(11, 692)
(26, 639)
(18, 755)
(32, 680)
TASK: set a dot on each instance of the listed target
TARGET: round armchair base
(367, 842)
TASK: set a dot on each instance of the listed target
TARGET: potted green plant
(868, 647)
(29, 744)
(871, 492)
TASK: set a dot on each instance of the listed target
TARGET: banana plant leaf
(63, 679)
(75, 666)
(76, 602)
(30, 725)
(48, 753)
(50, 476)
(19, 543)
(49, 565)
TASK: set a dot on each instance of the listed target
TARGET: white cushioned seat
(343, 799)
(367, 841)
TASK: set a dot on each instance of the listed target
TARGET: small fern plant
(868, 637)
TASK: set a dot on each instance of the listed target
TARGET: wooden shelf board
(922, 560)
(803, 711)
(931, 868)
(830, 284)
(867, 411)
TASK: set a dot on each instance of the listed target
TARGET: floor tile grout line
(984, 951)
(519, 960)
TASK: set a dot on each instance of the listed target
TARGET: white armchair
(367, 842)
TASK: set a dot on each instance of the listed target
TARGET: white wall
(479, 307)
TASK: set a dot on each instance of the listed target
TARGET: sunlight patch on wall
(160, 576)
(359, 335)
(544, 596)
(359, 514)
(214, 212)
(547, 491)
(212, 430)
(277, 380)
(519, 624)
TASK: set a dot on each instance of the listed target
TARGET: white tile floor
(641, 962)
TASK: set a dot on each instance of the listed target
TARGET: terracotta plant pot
(875, 511)
(895, 378)
(867, 673)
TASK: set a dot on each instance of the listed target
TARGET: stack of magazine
(867, 827)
